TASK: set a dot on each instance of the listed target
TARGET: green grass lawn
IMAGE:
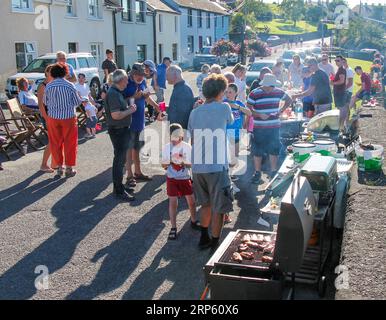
(281, 27)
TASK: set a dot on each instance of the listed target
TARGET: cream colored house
(166, 31)
(24, 35)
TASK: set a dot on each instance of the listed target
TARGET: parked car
(205, 56)
(273, 40)
(254, 69)
(233, 59)
(34, 72)
(315, 52)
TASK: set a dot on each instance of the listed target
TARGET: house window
(190, 44)
(94, 9)
(199, 19)
(72, 47)
(175, 24)
(96, 52)
(160, 22)
(223, 22)
(175, 51)
(70, 8)
(25, 53)
(141, 52)
(160, 52)
(200, 43)
(208, 20)
(126, 13)
(190, 17)
(22, 5)
(209, 41)
(140, 10)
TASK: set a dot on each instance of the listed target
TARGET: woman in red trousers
(62, 99)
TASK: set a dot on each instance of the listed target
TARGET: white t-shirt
(242, 85)
(83, 89)
(296, 74)
(350, 75)
(180, 153)
(327, 68)
(91, 110)
(28, 98)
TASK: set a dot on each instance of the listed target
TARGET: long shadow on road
(22, 195)
(77, 214)
(122, 257)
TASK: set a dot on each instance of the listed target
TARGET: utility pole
(243, 34)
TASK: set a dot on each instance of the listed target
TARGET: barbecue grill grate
(256, 263)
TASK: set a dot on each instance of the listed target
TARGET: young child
(176, 160)
(205, 69)
(239, 112)
(92, 119)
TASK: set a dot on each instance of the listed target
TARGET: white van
(34, 72)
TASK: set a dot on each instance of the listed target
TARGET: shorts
(91, 122)
(160, 95)
(308, 106)
(135, 141)
(363, 95)
(266, 141)
(179, 188)
(320, 108)
(340, 100)
(214, 189)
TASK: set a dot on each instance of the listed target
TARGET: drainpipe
(115, 35)
(155, 35)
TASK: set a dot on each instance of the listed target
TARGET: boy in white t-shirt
(92, 119)
(176, 160)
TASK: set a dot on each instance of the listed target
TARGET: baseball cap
(150, 64)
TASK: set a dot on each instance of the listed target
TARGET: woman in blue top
(308, 102)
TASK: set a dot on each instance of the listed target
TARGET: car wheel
(95, 88)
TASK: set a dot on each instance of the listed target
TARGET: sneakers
(88, 136)
(256, 179)
(124, 197)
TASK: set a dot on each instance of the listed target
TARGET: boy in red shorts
(176, 160)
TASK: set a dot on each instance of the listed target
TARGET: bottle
(299, 109)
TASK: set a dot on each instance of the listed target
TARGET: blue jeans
(120, 140)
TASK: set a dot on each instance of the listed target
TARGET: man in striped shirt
(264, 103)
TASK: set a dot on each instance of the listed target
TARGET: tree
(315, 13)
(261, 48)
(292, 10)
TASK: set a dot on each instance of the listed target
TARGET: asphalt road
(94, 247)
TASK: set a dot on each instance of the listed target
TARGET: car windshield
(260, 65)
(39, 65)
(206, 50)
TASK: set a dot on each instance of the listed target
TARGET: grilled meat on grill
(247, 255)
(237, 257)
(267, 259)
(243, 247)
(269, 249)
(246, 238)
(252, 244)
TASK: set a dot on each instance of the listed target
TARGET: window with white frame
(175, 51)
(94, 9)
(25, 53)
(22, 5)
(208, 20)
(190, 18)
(190, 44)
(160, 22)
(72, 47)
(199, 19)
(141, 52)
(140, 12)
(127, 14)
(70, 8)
(96, 52)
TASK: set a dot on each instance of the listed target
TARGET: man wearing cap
(119, 116)
(319, 88)
(137, 90)
(264, 103)
(151, 73)
(109, 65)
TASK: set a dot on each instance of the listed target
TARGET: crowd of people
(225, 105)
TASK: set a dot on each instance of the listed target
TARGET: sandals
(59, 173)
(47, 170)
(173, 234)
(131, 182)
(70, 173)
(142, 177)
(195, 225)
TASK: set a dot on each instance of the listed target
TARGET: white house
(83, 26)
(200, 25)
(166, 31)
(134, 33)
